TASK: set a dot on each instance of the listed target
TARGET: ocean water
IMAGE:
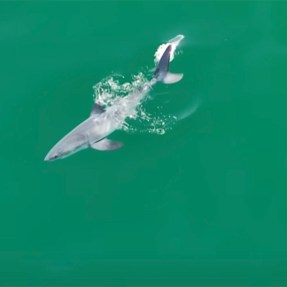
(198, 194)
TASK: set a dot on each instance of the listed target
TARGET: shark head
(57, 153)
(71, 143)
(51, 156)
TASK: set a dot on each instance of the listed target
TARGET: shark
(93, 132)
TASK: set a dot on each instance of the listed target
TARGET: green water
(204, 204)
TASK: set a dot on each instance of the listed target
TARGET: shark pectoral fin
(106, 144)
(172, 78)
(97, 109)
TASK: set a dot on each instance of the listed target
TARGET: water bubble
(113, 88)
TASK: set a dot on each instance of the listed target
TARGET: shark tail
(162, 73)
(171, 78)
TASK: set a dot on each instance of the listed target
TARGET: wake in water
(112, 88)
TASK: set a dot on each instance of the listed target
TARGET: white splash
(174, 42)
(107, 91)
(114, 87)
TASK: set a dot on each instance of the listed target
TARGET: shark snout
(51, 156)
(55, 153)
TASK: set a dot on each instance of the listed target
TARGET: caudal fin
(162, 70)
(172, 78)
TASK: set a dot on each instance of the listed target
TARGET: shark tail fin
(162, 70)
(172, 78)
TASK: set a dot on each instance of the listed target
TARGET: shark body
(94, 130)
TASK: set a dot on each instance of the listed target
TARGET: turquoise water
(203, 204)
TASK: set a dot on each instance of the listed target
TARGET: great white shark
(93, 132)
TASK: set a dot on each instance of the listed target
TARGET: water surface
(203, 204)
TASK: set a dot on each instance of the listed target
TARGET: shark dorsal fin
(97, 109)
